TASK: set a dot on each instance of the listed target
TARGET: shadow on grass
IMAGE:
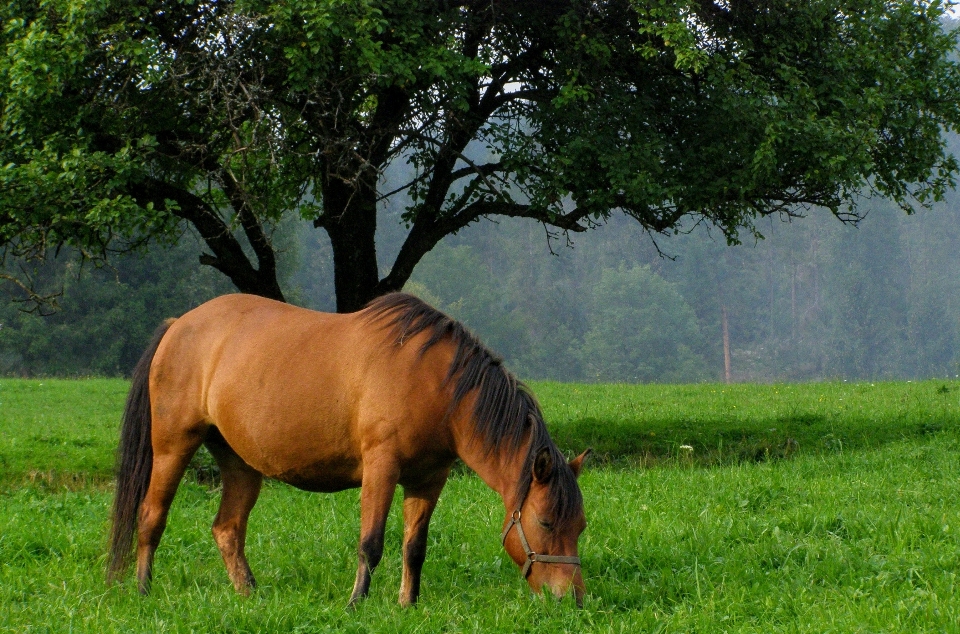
(676, 441)
(55, 480)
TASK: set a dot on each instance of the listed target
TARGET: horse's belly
(327, 476)
(308, 456)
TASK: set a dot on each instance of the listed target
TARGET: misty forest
(814, 299)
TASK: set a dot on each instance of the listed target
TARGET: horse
(392, 394)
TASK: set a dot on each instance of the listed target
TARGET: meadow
(823, 507)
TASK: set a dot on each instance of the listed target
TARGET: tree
(640, 330)
(106, 313)
(123, 122)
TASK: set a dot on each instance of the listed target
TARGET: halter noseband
(532, 556)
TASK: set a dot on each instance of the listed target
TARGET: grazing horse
(392, 394)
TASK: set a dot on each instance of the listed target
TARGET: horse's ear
(543, 465)
(576, 465)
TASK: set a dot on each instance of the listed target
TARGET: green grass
(646, 424)
(59, 431)
(857, 531)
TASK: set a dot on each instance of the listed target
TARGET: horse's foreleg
(418, 505)
(376, 494)
(167, 472)
(241, 487)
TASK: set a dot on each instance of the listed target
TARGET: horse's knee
(229, 538)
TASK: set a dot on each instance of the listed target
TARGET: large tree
(125, 122)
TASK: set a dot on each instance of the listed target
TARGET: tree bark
(350, 219)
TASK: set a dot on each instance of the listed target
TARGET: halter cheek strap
(532, 556)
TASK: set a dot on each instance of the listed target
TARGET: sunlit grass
(850, 542)
(59, 432)
(855, 536)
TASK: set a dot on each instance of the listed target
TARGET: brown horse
(389, 395)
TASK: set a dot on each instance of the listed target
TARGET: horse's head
(541, 535)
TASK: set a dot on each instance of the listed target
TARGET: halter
(532, 556)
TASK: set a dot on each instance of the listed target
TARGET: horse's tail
(134, 460)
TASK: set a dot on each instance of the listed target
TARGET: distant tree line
(813, 300)
(104, 315)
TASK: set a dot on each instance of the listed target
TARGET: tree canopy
(127, 122)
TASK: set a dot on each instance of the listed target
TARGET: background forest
(815, 299)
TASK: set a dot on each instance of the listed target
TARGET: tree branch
(460, 155)
(252, 227)
(569, 221)
(428, 231)
(228, 256)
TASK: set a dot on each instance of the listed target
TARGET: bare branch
(569, 221)
(34, 302)
(460, 155)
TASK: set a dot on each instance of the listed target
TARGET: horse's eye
(545, 525)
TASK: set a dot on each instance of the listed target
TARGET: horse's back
(300, 395)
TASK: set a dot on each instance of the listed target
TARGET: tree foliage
(122, 122)
(640, 330)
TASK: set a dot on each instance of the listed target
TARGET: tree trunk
(255, 282)
(350, 219)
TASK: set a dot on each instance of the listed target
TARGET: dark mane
(505, 410)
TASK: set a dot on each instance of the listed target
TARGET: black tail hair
(134, 460)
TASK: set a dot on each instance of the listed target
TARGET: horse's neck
(500, 470)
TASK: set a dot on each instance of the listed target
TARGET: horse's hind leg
(170, 460)
(241, 487)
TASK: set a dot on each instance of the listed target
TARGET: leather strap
(532, 556)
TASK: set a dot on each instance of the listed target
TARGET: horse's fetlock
(415, 554)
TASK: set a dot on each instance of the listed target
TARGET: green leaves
(728, 114)
(672, 28)
(130, 119)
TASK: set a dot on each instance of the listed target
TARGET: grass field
(801, 508)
